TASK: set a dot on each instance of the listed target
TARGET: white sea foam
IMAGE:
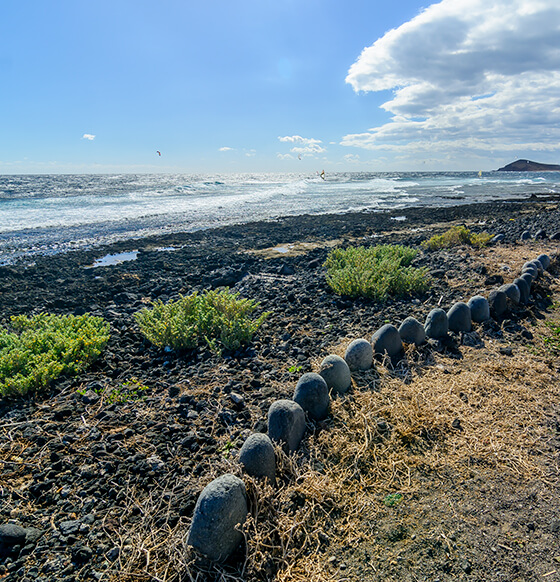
(54, 213)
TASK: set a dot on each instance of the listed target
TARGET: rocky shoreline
(148, 428)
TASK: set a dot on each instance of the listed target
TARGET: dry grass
(394, 432)
(346, 469)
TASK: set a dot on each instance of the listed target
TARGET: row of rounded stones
(222, 505)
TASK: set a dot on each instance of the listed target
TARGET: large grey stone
(530, 269)
(436, 324)
(359, 355)
(257, 457)
(412, 331)
(544, 260)
(525, 235)
(498, 302)
(286, 424)
(540, 234)
(312, 394)
(459, 317)
(221, 506)
(528, 278)
(336, 373)
(524, 290)
(387, 340)
(512, 292)
(480, 309)
(537, 264)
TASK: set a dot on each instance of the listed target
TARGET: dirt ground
(445, 467)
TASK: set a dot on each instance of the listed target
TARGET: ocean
(46, 214)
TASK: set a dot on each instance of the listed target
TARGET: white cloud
(226, 149)
(306, 146)
(88, 136)
(466, 76)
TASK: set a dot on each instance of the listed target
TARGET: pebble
(12, 534)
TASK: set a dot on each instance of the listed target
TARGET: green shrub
(39, 349)
(376, 272)
(218, 318)
(456, 236)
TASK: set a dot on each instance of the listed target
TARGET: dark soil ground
(97, 460)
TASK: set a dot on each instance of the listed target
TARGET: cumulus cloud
(304, 146)
(88, 136)
(226, 149)
(466, 75)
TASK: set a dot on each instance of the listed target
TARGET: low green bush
(219, 319)
(457, 236)
(35, 350)
(376, 272)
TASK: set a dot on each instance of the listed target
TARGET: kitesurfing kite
(299, 157)
(158, 153)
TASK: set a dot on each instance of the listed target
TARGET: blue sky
(252, 85)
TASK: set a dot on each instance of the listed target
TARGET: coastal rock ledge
(529, 166)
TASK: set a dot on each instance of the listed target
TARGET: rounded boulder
(312, 394)
(286, 424)
(436, 325)
(528, 278)
(524, 290)
(512, 292)
(498, 302)
(220, 507)
(336, 373)
(359, 355)
(387, 340)
(257, 457)
(544, 260)
(538, 265)
(459, 317)
(480, 309)
(412, 331)
(531, 270)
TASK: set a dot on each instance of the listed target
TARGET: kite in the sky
(299, 157)
(158, 153)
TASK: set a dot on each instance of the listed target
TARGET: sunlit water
(53, 213)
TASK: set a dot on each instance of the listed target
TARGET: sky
(111, 86)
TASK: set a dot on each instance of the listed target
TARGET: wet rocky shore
(144, 429)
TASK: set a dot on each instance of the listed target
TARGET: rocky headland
(529, 166)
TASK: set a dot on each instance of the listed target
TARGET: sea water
(45, 214)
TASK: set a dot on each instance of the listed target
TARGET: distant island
(529, 166)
